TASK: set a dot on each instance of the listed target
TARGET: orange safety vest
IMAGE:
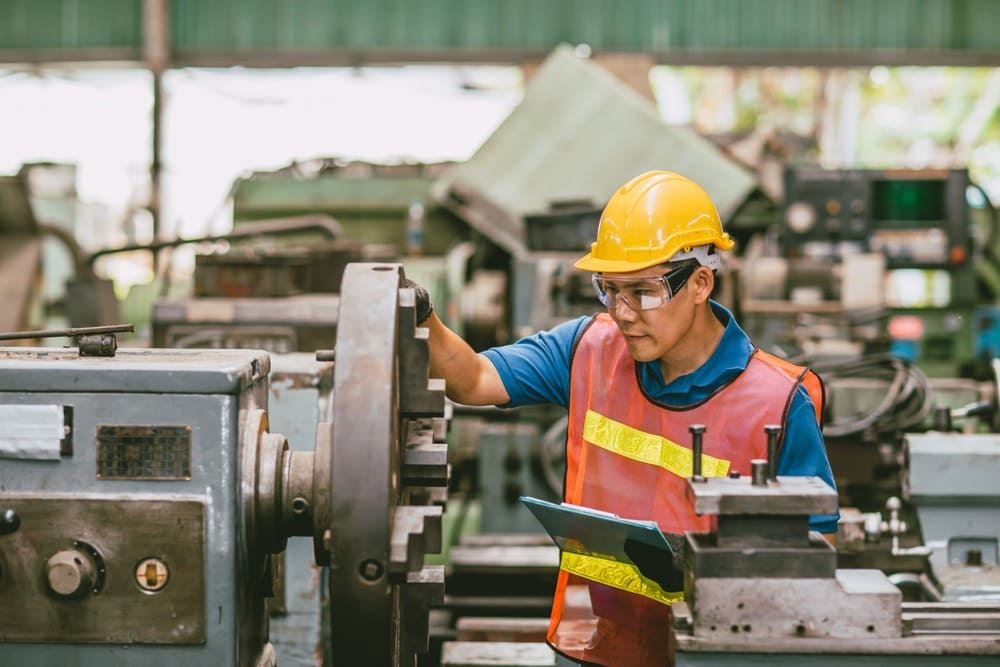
(631, 456)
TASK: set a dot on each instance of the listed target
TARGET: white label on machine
(31, 431)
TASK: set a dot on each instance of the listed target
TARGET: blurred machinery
(857, 247)
(873, 279)
(390, 207)
(144, 496)
(84, 299)
(260, 296)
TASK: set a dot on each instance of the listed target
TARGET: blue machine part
(986, 328)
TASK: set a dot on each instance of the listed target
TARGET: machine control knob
(9, 521)
(70, 573)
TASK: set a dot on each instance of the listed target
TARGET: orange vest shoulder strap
(808, 378)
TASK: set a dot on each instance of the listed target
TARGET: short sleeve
(535, 369)
(803, 453)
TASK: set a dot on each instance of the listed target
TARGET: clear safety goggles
(645, 293)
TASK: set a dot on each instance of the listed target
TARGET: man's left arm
(803, 453)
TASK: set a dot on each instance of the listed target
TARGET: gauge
(801, 217)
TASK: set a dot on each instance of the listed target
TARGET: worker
(663, 357)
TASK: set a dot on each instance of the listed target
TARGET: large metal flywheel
(386, 449)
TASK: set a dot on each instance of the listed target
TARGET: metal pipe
(275, 226)
(697, 431)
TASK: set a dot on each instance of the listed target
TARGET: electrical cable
(905, 406)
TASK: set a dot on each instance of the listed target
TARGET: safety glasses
(645, 293)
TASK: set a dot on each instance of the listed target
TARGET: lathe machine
(143, 496)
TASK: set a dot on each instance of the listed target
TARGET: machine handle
(9, 522)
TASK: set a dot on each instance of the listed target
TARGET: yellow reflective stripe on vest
(623, 576)
(647, 447)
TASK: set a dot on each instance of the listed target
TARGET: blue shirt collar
(728, 360)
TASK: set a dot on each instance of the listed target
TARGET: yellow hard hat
(650, 219)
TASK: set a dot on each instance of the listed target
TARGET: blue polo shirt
(536, 370)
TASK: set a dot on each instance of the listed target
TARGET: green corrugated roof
(287, 32)
(578, 134)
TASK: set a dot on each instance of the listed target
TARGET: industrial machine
(951, 480)
(283, 299)
(280, 299)
(761, 589)
(893, 247)
(143, 496)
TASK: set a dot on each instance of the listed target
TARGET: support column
(156, 56)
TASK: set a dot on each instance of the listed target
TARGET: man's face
(652, 334)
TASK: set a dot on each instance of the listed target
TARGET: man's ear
(702, 282)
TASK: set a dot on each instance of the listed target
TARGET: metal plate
(124, 532)
(855, 604)
(705, 559)
(143, 452)
(789, 495)
(131, 371)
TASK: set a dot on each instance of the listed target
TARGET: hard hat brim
(590, 263)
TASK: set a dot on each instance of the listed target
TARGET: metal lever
(9, 522)
(92, 341)
(697, 431)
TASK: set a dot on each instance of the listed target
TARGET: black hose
(907, 402)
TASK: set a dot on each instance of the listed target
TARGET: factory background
(213, 176)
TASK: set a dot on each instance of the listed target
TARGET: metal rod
(276, 226)
(772, 431)
(69, 333)
(697, 431)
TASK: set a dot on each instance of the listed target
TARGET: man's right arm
(470, 378)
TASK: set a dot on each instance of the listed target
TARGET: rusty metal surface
(124, 531)
(364, 456)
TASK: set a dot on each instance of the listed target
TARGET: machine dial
(70, 573)
(75, 572)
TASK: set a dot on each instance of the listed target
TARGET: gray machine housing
(212, 609)
(951, 478)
